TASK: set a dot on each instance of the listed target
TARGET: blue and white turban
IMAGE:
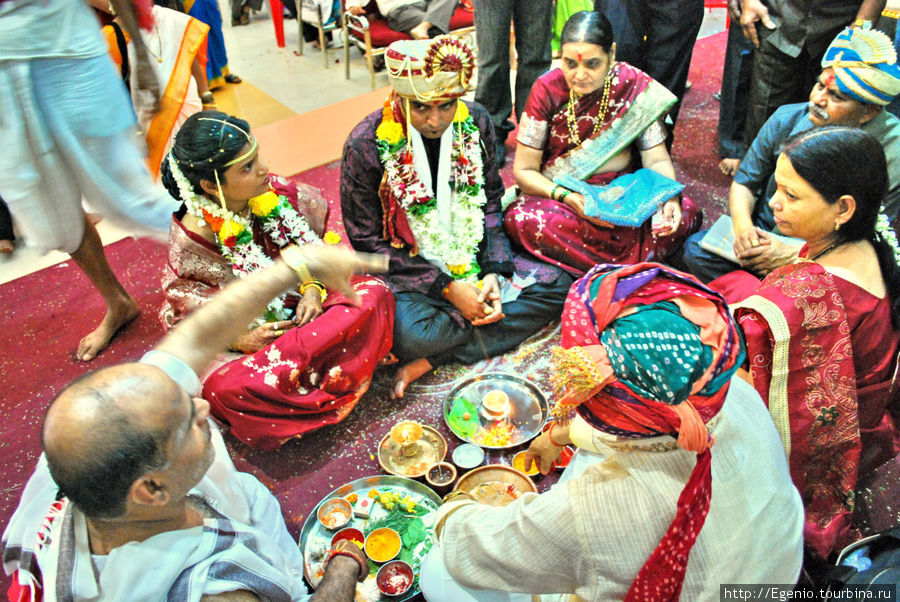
(865, 65)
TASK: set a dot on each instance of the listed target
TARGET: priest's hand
(309, 308)
(261, 336)
(490, 296)
(544, 451)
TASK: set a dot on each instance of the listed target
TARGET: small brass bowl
(334, 513)
(519, 464)
(394, 571)
(395, 542)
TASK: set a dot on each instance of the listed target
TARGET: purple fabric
(361, 174)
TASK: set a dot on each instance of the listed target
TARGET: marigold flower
(390, 131)
(462, 111)
(228, 231)
(332, 238)
(263, 204)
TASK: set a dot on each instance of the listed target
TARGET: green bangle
(553, 192)
(563, 196)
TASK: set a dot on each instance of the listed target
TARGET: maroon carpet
(46, 313)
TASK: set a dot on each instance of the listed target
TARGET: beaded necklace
(598, 120)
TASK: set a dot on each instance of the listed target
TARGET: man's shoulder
(479, 113)
(885, 127)
(364, 131)
(786, 117)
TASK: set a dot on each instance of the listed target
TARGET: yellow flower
(390, 131)
(332, 238)
(462, 111)
(229, 229)
(458, 269)
(263, 204)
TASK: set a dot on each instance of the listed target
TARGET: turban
(865, 65)
(429, 70)
(649, 351)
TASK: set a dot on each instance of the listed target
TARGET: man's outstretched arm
(208, 330)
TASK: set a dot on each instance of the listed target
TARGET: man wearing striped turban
(679, 483)
(860, 76)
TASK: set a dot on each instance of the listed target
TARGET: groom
(419, 183)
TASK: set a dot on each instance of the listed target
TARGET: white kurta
(591, 533)
(248, 547)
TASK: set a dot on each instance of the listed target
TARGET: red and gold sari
(311, 376)
(822, 354)
(550, 229)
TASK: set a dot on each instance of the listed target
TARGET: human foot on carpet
(407, 374)
(117, 317)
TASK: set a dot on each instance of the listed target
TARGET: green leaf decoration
(461, 426)
(422, 208)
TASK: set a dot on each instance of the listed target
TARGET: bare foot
(6, 246)
(729, 167)
(116, 318)
(420, 31)
(407, 374)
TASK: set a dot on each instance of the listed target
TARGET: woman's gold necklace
(598, 120)
(158, 57)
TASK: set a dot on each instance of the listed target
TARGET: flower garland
(466, 185)
(280, 221)
(883, 229)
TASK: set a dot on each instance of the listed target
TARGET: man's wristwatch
(295, 259)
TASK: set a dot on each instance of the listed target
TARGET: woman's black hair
(589, 27)
(838, 161)
(206, 142)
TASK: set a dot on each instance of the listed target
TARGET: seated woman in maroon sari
(821, 333)
(310, 358)
(594, 119)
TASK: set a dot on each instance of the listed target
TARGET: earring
(837, 226)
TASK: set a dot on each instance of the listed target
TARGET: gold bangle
(323, 293)
(293, 256)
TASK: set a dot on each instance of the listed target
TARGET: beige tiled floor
(279, 83)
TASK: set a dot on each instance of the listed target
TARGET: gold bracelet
(295, 259)
(316, 284)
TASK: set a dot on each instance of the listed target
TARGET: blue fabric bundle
(628, 200)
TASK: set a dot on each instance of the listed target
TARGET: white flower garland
(245, 258)
(883, 227)
(457, 251)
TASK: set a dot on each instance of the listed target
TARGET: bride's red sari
(822, 354)
(311, 376)
(550, 229)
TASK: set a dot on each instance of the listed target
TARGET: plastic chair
(371, 34)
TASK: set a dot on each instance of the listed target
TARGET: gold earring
(837, 226)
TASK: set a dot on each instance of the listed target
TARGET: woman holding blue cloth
(594, 119)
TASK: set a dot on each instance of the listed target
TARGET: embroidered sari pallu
(822, 354)
(175, 42)
(550, 229)
(312, 375)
